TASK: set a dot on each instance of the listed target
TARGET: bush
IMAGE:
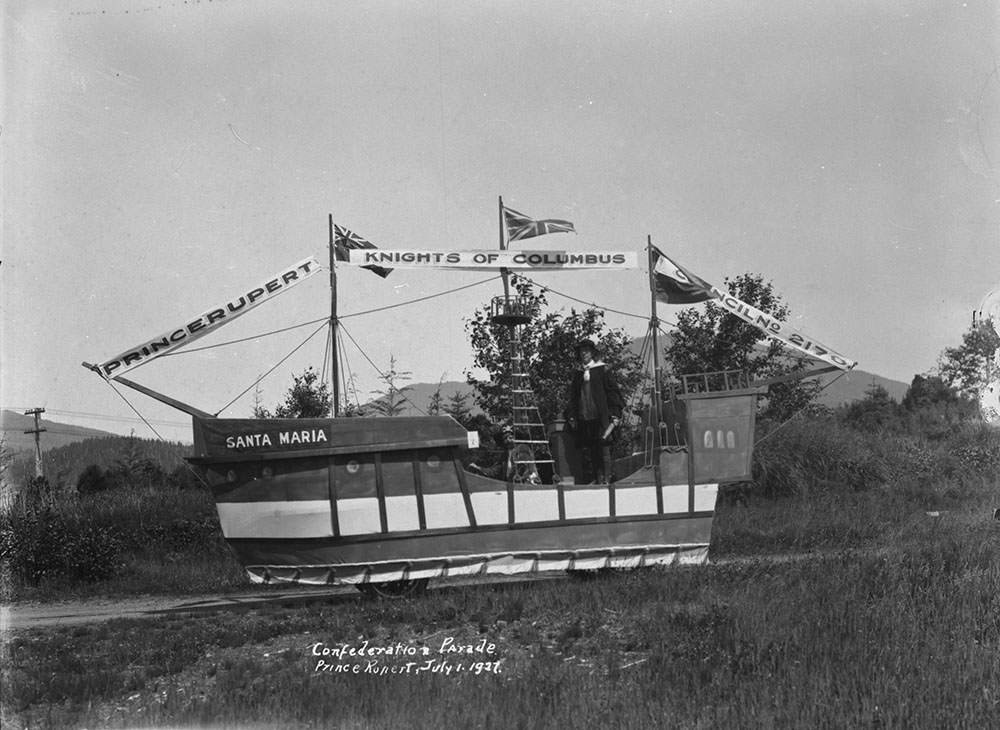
(185, 477)
(825, 452)
(91, 480)
(52, 542)
(90, 537)
(816, 452)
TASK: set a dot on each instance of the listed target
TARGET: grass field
(892, 622)
(895, 640)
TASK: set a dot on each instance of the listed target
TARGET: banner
(493, 259)
(781, 330)
(210, 320)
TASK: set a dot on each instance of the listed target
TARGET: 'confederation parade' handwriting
(448, 646)
(451, 657)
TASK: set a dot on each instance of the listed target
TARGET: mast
(511, 327)
(334, 370)
(654, 326)
(504, 273)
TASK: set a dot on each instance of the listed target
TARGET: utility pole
(36, 412)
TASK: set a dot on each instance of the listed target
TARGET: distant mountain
(845, 388)
(62, 465)
(853, 386)
(56, 434)
(418, 398)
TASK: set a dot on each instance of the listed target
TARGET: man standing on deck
(595, 409)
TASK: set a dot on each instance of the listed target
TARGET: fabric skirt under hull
(496, 550)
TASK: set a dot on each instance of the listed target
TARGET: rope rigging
(189, 350)
(382, 375)
(645, 356)
(276, 365)
(173, 451)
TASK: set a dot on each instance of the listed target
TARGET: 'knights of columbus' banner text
(781, 330)
(522, 259)
(210, 320)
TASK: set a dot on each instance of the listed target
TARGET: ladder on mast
(528, 431)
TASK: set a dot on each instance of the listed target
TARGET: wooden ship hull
(387, 500)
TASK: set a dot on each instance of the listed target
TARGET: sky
(160, 157)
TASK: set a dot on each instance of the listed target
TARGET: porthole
(434, 461)
(267, 472)
(353, 467)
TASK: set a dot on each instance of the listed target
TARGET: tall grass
(122, 541)
(822, 486)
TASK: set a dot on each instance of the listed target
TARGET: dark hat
(582, 344)
(505, 434)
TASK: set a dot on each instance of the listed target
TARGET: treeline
(64, 465)
(930, 407)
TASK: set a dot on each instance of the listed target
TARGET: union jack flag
(520, 226)
(343, 240)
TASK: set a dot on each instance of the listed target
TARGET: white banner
(493, 259)
(210, 320)
(781, 330)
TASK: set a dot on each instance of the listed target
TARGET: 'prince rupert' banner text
(210, 320)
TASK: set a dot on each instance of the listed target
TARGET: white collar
(590, 366)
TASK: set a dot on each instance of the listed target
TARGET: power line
(100, 416)
(69, 433)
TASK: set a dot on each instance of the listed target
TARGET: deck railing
(714, 382)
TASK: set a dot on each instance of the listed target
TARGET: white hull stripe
(296, 519)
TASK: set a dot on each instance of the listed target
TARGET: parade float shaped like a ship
(386, 503)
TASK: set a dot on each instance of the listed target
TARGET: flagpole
(504, 273)
(334, 369)
(654, 326)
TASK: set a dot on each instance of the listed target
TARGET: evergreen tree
(458, 407)
(877, 411)
(392, 399)
(434, 406)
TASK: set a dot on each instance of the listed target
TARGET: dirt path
(33, 615)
